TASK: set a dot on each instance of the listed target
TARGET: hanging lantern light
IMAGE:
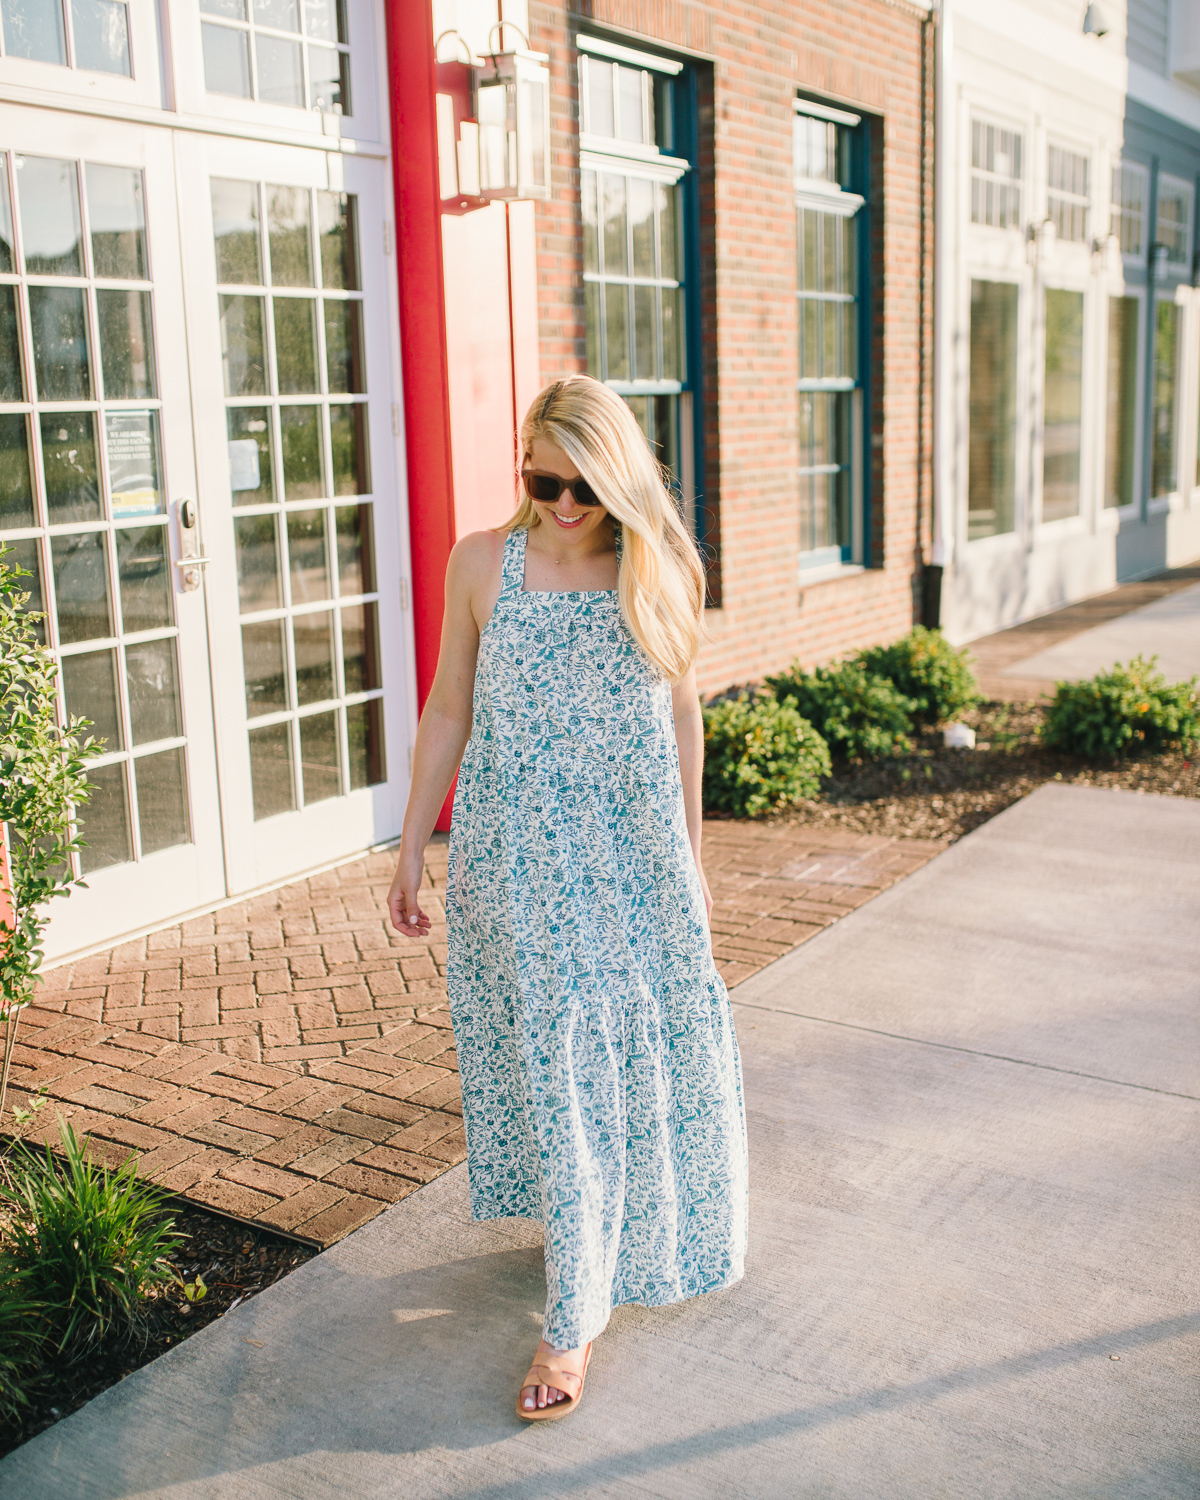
(512, 106)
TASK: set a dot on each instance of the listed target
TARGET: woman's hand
(404, 906)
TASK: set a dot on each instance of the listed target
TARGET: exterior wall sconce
(1106, 254)
(1160, 256)
(1043, 236)
(493, 125)
(512, 106)
(1095, 23)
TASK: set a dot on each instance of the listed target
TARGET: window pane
(296, 345)
(264, 662)
(336, 223)
(325, 20)
(673, 363)
(226, 61)
(162, 800)
(601, 118)
(629, 103)
(26, 554)
(329, 80)
(153, 691)
(364, 727)
(307, 557)
(101, 29)
(645, 333)
(360, 648)
(319, 757)
(1166, 373)
(351, 459)
(668, 247)
(250, 476)
(591, 250)
(133, 470)
(313, 639)
(343, 347)
(243, 355)
(258, 563)
(16, 486)
(271, 770)
(616, 252)
(232, 10)
(303, 475)
(144, 572)
(1062, 417)
(126, 345)
(33, 29)
(236, 232)
(60, 351)
(591, 299)
(356, 572)
(616, 322)
(69, 465)
(90, 692)
(1121, 401)
(280, 78)
(50, 216)
(289, 232)
(7, 251)
(641, 218)
(81, 587)
(283, 15)
(991, 482)
(104, 820)
(118, 221)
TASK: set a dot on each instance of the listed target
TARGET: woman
(600, 1076)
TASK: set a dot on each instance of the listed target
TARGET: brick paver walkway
(290, 1060)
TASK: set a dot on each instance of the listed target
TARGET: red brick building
(738, 237)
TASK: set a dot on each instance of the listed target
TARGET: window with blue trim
(636, 171)
(827, 156)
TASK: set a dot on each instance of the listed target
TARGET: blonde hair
(661, 581)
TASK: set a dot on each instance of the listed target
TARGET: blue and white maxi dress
(600, 1076)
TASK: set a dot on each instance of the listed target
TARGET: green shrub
(925, 667)
(22, 1340)
(759, 755)
(860, 715)
(89, 1244)
(1128, 708)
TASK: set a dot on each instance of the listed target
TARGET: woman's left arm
(689, 738)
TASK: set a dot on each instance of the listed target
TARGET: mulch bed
(932, 793)
(234, 1262)
(935, 793)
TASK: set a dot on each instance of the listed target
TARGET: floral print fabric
(600, 1075)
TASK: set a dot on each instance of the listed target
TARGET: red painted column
(422, 326)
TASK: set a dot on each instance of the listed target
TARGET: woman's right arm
(445, 725)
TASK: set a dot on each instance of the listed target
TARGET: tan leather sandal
(551, 1372)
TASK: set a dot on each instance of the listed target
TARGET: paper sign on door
(133, 468)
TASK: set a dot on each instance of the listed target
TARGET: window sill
(833, 573)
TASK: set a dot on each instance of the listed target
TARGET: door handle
(192, 562)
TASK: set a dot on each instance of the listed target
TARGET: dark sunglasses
(548, 487)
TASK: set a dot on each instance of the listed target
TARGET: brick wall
(874, 56)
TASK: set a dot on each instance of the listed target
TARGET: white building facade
(201, 461)
(1068, 355)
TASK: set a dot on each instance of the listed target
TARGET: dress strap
(512, 572)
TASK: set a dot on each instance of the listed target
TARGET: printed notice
(133, 481)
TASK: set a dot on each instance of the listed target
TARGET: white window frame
(1117, 209)
(988, 121)
(1087, 486)
(1086, 200)
(1166, 266)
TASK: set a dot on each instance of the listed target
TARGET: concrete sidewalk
(1169, 629)
(973, 1109)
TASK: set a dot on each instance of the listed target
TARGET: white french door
(96, 443)
(198, 468)
(291, 318)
